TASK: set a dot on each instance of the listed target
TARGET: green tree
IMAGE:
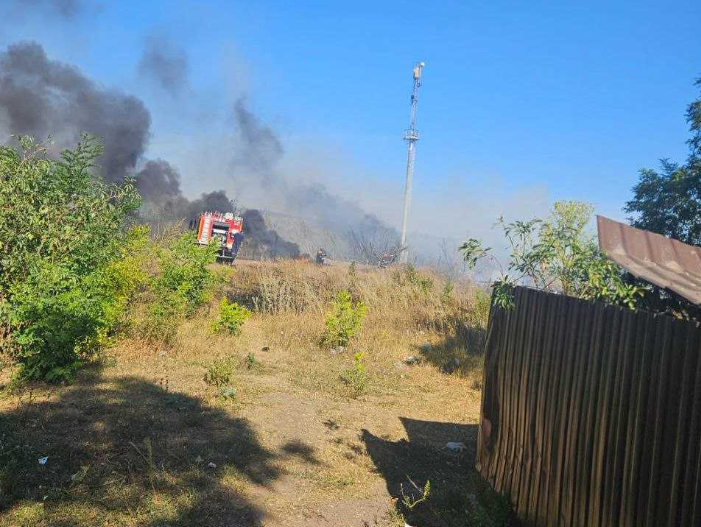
(556, 254)
(61, 231)
(668, 201)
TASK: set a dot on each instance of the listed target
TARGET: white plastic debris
(43, 460)
(212, 465)
(199, 459)
(412, 359)
(455, 447)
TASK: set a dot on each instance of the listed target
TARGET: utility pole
(411, 136)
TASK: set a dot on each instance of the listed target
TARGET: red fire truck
(226, 228)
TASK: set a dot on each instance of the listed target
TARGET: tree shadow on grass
(461, 352)
(407, 465)
(129, 452)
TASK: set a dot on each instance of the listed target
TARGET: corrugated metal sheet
(665, 262)
(591, 414)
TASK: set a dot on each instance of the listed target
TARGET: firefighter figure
(320, 256)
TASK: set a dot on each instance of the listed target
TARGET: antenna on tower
(411, 135)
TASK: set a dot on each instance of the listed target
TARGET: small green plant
(220, 372)
(352, 271)
(447, 291)
(231, 318)
(410, 502)
(228, 393)
(344, 320)
(251, 361)
(356, 377)
(409, 275)
(488, 508)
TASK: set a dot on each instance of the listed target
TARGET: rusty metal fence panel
(591, 414)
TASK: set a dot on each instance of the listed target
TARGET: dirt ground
(141, 439)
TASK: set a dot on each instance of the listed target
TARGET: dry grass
(290, 447)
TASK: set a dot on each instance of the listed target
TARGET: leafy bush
(185, 272)
(344, 320)
(163, 316)
(356, 377)
(409, 275)
(180, 283)
(61, 233)
(556, 254)
(231, 318)
(220, 372)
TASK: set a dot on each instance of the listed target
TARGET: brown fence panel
(591, 414)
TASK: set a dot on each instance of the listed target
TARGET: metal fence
(591, 414)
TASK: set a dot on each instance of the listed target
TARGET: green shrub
(180, 282)
(163, 316)
(344, 320)
(355, 378)
(62, 232)
(231, 318)
(185, 270)
(409, 275)
(220, 372)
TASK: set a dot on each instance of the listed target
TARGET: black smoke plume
(165, 64)
(158, 181)
(261, 152)
(266, 241)
(41, 97)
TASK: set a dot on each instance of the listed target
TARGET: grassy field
(261, 428)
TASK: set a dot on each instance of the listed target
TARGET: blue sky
(522, 102)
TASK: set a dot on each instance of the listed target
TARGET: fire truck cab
(226, 229)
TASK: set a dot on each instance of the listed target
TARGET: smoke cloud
(65, 8)
(41, 97)
(261, 151)
(44, 97)
(266, 241)
(165, 64)
(158, 181)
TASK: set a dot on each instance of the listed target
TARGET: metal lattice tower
(411, 136)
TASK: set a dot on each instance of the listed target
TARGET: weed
(344, 320)
(488, 508)
(409, 275)
(447, 291)
(220, 372)
(228, 393)
(410, 502)
(231, 318)
(251, 361)
(356, 377)
(481, 308)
